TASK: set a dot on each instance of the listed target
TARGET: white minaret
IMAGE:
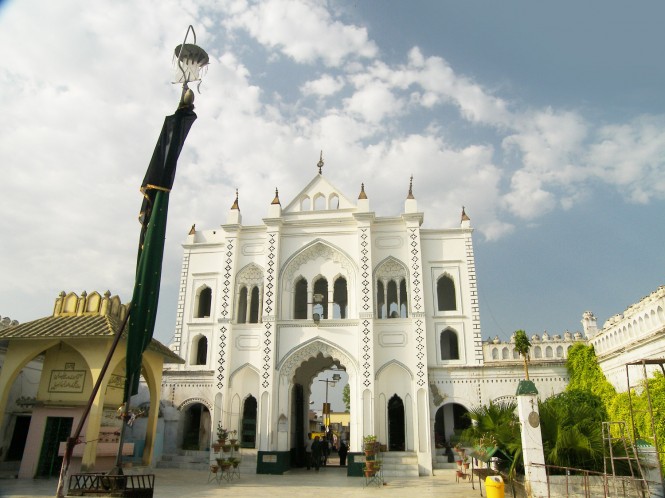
(589, 324)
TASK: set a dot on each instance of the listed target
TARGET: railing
(573, 482)
(134, 486)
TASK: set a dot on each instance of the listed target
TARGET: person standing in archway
(316, 453)
(308, 451)
(343, 450)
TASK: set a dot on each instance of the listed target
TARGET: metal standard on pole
(191, 59)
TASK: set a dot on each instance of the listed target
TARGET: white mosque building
(326, 283)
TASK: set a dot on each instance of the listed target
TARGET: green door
(57, 430)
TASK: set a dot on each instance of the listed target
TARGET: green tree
(346, 397)
(522, 346)
(571, 424)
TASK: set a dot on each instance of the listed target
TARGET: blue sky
(547, 121)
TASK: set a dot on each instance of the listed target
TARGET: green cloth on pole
(146, 289)
(156, 186)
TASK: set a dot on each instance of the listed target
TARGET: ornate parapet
(544, 348)
(640, 322)
(89, 304)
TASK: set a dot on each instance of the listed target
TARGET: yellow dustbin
(494, 487)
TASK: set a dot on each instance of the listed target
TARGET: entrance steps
(440, 465)
(399, 464)
(200, 460)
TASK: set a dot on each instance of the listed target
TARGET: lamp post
(326, 407)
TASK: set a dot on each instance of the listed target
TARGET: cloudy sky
(546, 120)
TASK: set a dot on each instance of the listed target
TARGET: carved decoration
(311, 350)
(317, 250)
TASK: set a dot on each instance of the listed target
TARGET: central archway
(298, 372)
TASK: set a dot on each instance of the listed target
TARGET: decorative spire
(410, 196)
(192, 230)
(362, 195)
(320, 163)
(235, 203)
(464, 215)
(276, 199)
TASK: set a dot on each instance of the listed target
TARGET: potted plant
(465, 462)
(369, 444)
(232, 437)
(234, 462)
(222, 434)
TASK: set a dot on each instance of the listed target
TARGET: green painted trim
(354, 464)
(273, 462)
(526, 388)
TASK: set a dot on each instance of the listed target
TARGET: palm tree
(522, 346)
(498, 423)
(571, 429)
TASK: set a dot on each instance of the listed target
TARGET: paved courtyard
(329, 482)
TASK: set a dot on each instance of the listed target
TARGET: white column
(532, 441)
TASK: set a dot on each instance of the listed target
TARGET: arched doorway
(439, 429)
(196, 427)
(450, 419)
(396, 424)
(248, 423)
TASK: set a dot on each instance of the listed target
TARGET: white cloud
(325, 86)
(303, 30)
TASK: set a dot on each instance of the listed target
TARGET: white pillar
(532, 441)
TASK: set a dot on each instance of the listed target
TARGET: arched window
(393, 311)
(449, 345)
(204, 301)
(548, 351)
(559, 352)
(402, 299)
(495, 354)
(333, 201)
(445, 294)
(537, 352)
(306, 204)
(201, 351)
(242, 305)
(300, 300)
(380, 300)
(254, 308)
(340, 298)
(392, 298)
(516, 354)
(321, 292)
(319, 202)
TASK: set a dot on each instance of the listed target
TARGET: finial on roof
(362, 195)
(192, 230)
(320, 163)
(410, 196)
(276, 199)
(235, 203)
(464, 215)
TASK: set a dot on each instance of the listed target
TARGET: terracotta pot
(466, 465)
(458, 462)
(369, 473)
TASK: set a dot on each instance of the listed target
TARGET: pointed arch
(295, 357)
(203, 302)
(449, 344)
(445, 293)
(392, 293)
